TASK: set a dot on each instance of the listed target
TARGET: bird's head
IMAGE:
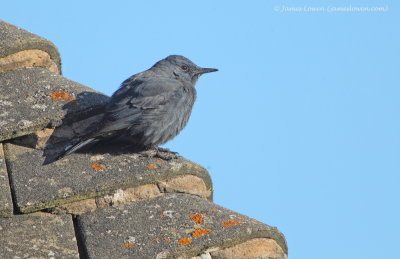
(181, 68)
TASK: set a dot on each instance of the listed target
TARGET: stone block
(6, 205)
(38, 235)
(252, 249)
(185, 184)
(28, 58)
(168, 226)
(77, 207)
(20, 48)
(80, 176)
(34, 98)
(129, 195)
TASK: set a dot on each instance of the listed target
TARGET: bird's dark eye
(184, 68)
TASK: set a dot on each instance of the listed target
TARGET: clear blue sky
(300, 127)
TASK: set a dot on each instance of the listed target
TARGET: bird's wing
(137, 98)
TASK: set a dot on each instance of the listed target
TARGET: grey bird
(151, 107)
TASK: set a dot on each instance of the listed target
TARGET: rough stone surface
(168, 226)
(34, 98)
(28, 58)
(186, 184)
(77, 207)
(120, 197)
(252, 249)
(203, 256)
(36, 140)
(86, 175)
(6, 206)
(14, 39)
(38, 235)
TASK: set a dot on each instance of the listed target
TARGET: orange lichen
(98, 167)
(197, 218)
(151, 166)
(129, 244)
(184, 241)
(166, 239)
(201, 232)
(230, 223)
(58, 95)
(158, 161)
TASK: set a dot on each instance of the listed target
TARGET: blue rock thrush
(150, 107)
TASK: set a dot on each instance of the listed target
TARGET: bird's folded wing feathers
(131, 100)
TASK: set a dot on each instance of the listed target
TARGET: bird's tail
(73, 148)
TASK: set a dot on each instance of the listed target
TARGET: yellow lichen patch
(230, 223)
(129, 244)
(197, 218)
(184, 241)
(151, 166)
(201, 232)
(98, 167)
(59, 95)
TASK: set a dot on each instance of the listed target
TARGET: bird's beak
(203, 70)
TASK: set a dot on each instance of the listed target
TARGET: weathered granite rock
(38, 235)
(87, 175)
(20, 48)
(169, 226)
(6, 206)
(34, 98)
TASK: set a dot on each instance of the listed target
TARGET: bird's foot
(165, 153)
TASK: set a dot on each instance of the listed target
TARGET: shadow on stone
(75, 124)
(82, 117)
